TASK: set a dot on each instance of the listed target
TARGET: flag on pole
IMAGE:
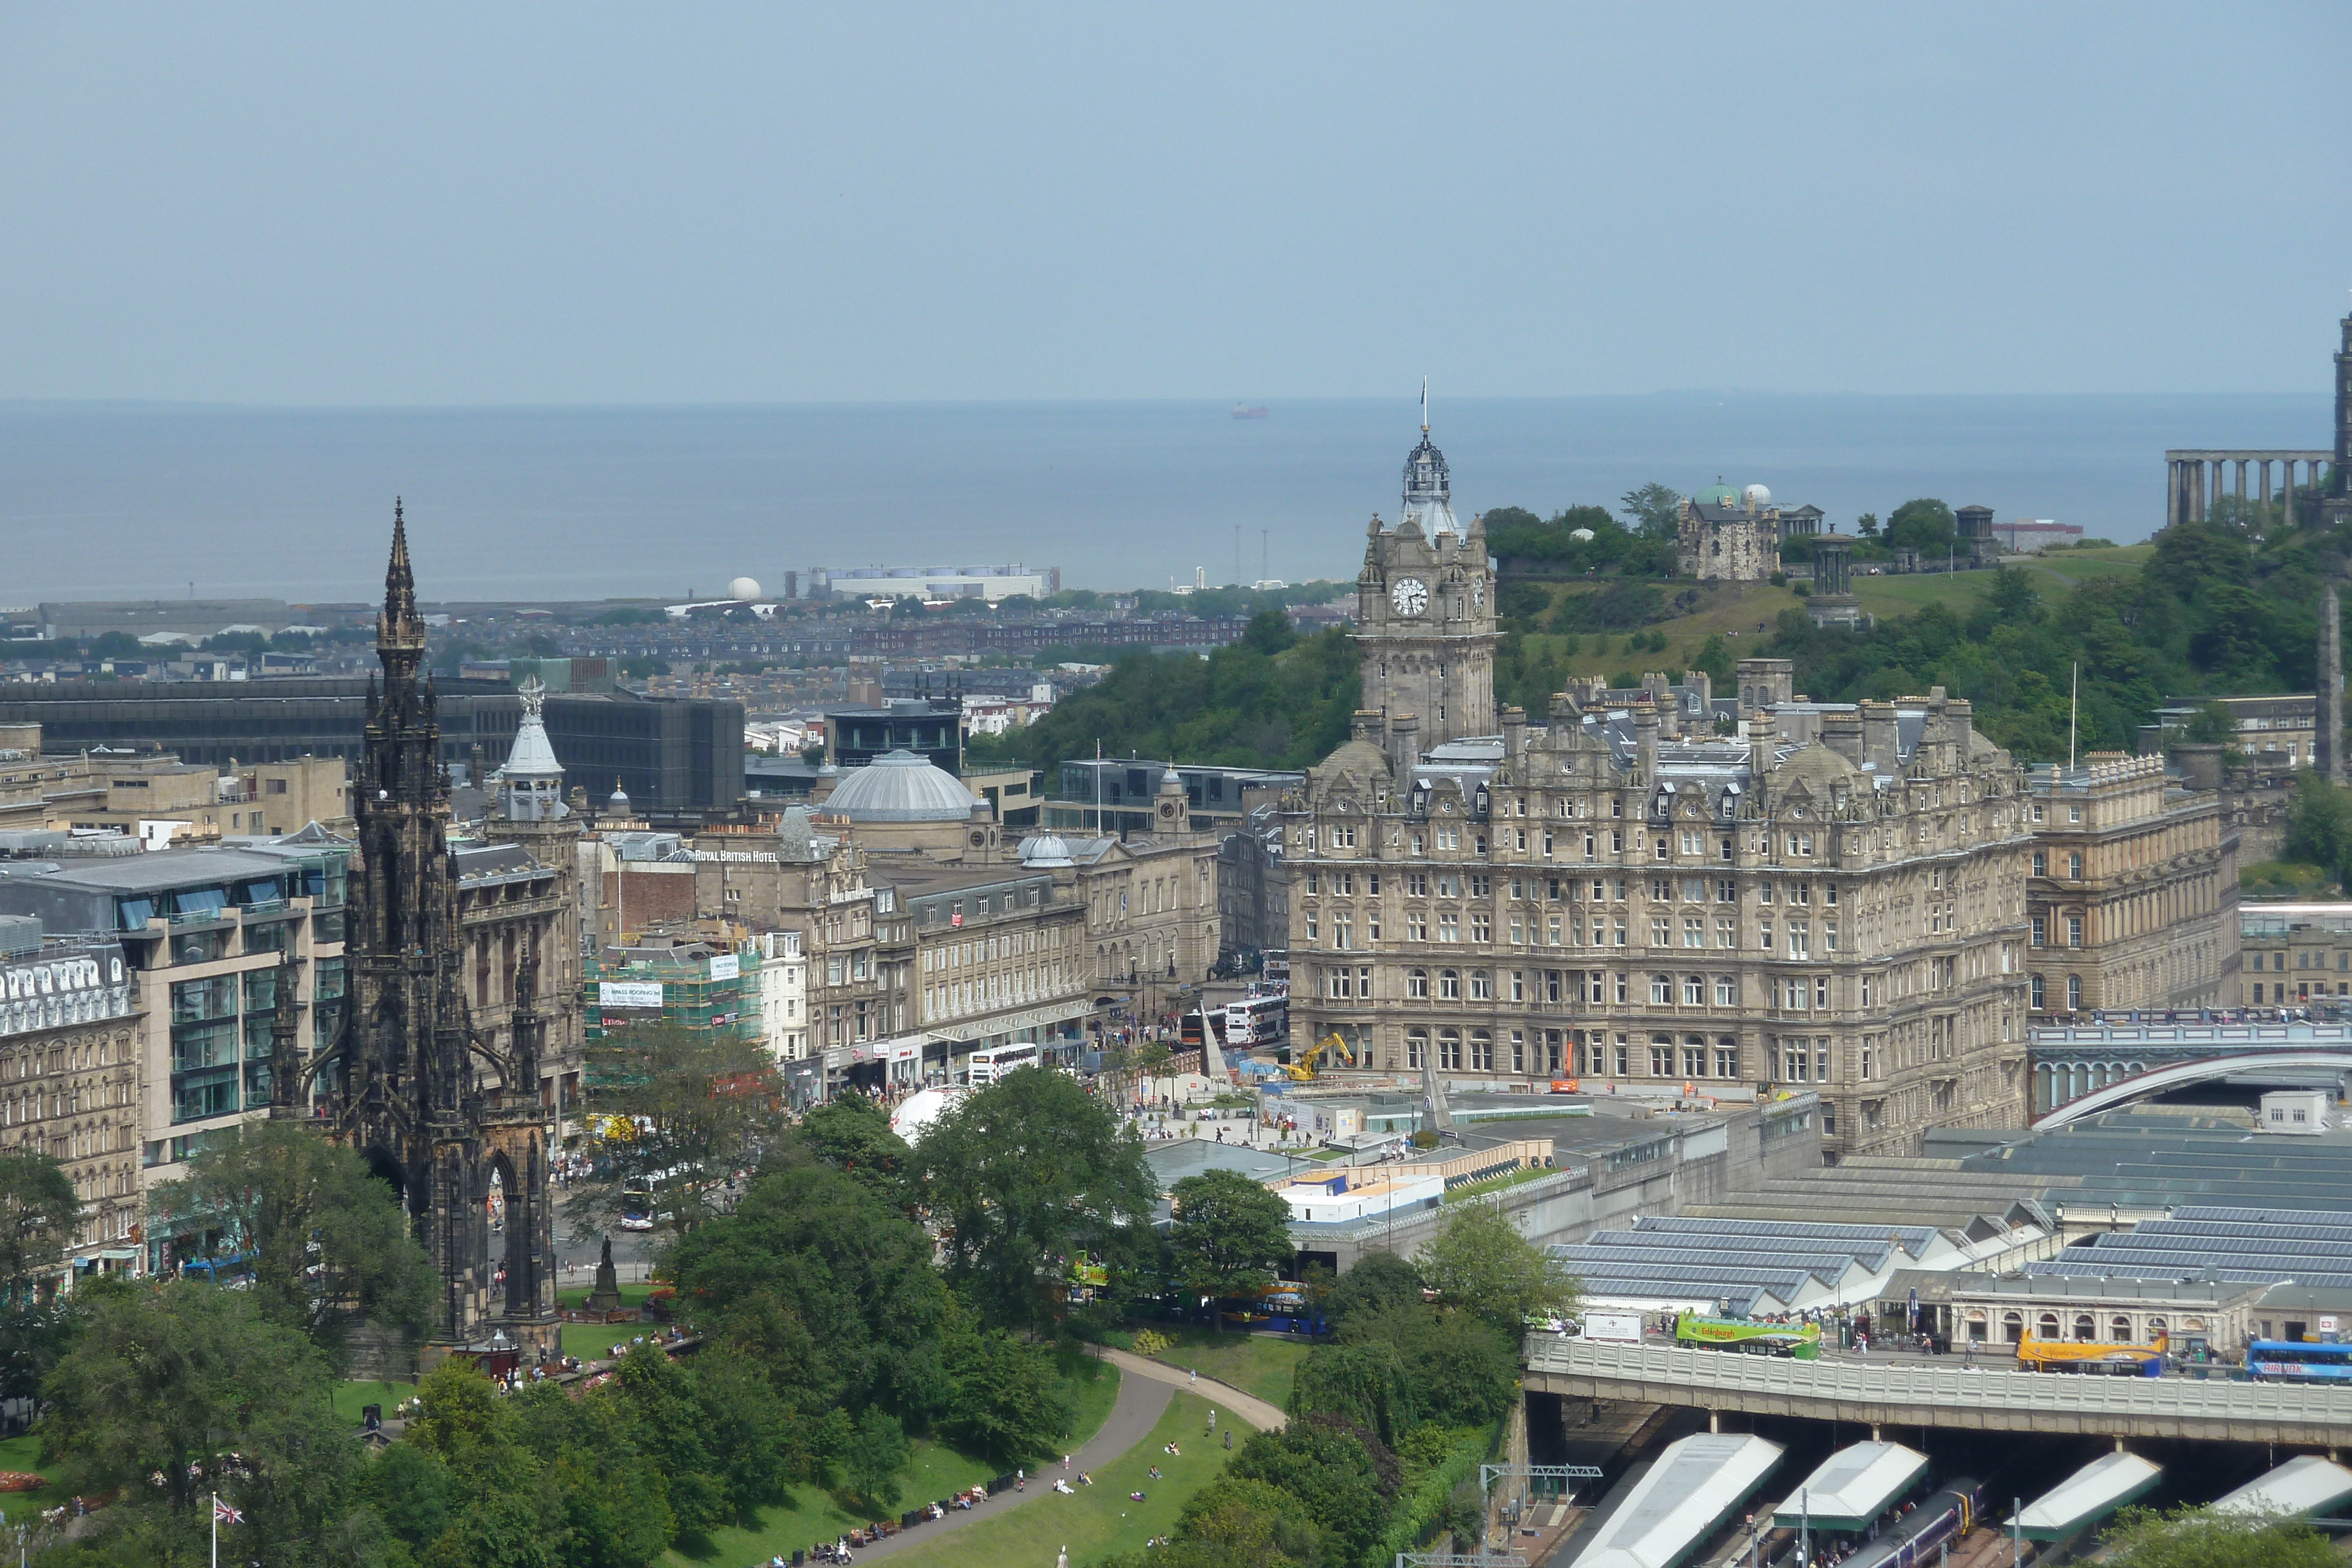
(225, 1514)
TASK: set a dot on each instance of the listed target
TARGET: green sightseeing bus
(1801, 1342)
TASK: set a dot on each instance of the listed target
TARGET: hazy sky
(700, 203)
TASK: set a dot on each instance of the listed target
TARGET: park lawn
(349, 1397)
(1255, 1364)
(1099, 1520)
(24, 1454)
(937, 1471)
(595, 1342)
(631, 1296)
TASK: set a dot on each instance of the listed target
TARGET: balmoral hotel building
(1833, 897)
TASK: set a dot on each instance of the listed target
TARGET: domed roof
(1718, 495)
(1757, 496)
(900, 786)
(1817, 767)
(619, 800)
(1046, 850)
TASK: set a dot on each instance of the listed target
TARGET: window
(2074, 866)
(1726, 1058)
(1416, 925)
(1726, 990)
(1416, 985)
(1449, 1050)
(1801, 939)
(2073, 993)
(1449, 926)
(1482, 928)
(1481, 1052)
(1416, 1048)
(2074, 813)
(1416, 883)
(2074, 931)
(2041, 863)
(1482, 985)
(1662, 1059)
(1726, 931)
(2033, 988)
(1693, 931)
(1449, 985)
(1662, 990)
(1693, 990)
(2041, 930)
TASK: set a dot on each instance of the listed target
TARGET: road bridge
(2081, 1069)
(1942, 1392)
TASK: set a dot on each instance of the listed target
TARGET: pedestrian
(1066, 1461)
(1196, 1375)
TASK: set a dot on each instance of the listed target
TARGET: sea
(145, 501)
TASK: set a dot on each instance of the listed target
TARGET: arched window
(1482, 985)
(1449, 985)
(2155, 1329)
(2119, 1329)
(1416, 984)
(2086, 1328)
(1416, 1049)
(2048, 1327)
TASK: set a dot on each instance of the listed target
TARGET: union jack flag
(225, 1514)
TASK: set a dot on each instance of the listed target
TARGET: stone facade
(1721, 537)
(1845, 913)
(2133, 897)
(69, 1085)
(1425, 611)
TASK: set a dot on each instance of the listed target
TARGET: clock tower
(1426, 609)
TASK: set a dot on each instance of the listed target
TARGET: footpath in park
(1223, 1396)
(1133, 1415)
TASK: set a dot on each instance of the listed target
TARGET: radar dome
(1758, 495)
(1581, 536)
(744, 588)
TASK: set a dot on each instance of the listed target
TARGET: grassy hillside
(1743, 614)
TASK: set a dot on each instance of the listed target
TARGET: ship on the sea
(1249, 410)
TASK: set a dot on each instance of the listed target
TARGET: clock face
(1410, 596)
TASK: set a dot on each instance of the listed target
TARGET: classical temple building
(443, 1103)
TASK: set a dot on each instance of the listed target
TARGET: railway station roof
(2090, 1494)
(2155, 1159)
(2223, 1244)
(1752, 1267)
(2305, 1485)
(1853, 1487)
(1676, 1505)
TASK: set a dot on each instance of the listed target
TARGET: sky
(596, 204)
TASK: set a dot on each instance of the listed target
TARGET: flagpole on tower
(1424, 406)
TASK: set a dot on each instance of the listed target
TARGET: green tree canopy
(1020, 1176)
(1926, 525)
(329, 1245)
(38, 1207)
(852, 1133)
(2200, 1537)
(1230, 1234)
(176, 1391)
(1480, 1263)
(1654, 510)
(703, 1101)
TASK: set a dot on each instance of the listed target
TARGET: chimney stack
(1515, 736)
(1881, 740)
(1404, 746)
(1842, 733)
(1645, 740)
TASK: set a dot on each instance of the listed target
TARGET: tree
(1230, 1234)
(828, 1287)
(701, 1102)
(1867, 525)
(38, 1207)
(1269, 634)
(853, 1134)
(1654, 510)
(2319, 824)
(2200, 1538)
(1379, 1281)
(329, 1245)
(1022, 1174)
(173, 1393)
(1007, 1400)
(1479, 1263)
(1926, 525)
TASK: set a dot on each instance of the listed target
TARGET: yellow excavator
(1302, 1068)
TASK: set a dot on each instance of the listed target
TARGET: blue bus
(2296, 1360)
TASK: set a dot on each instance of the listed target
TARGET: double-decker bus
(1801, 1342)
(986, 1066)
(2299, 1361)
(1257, 1020)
